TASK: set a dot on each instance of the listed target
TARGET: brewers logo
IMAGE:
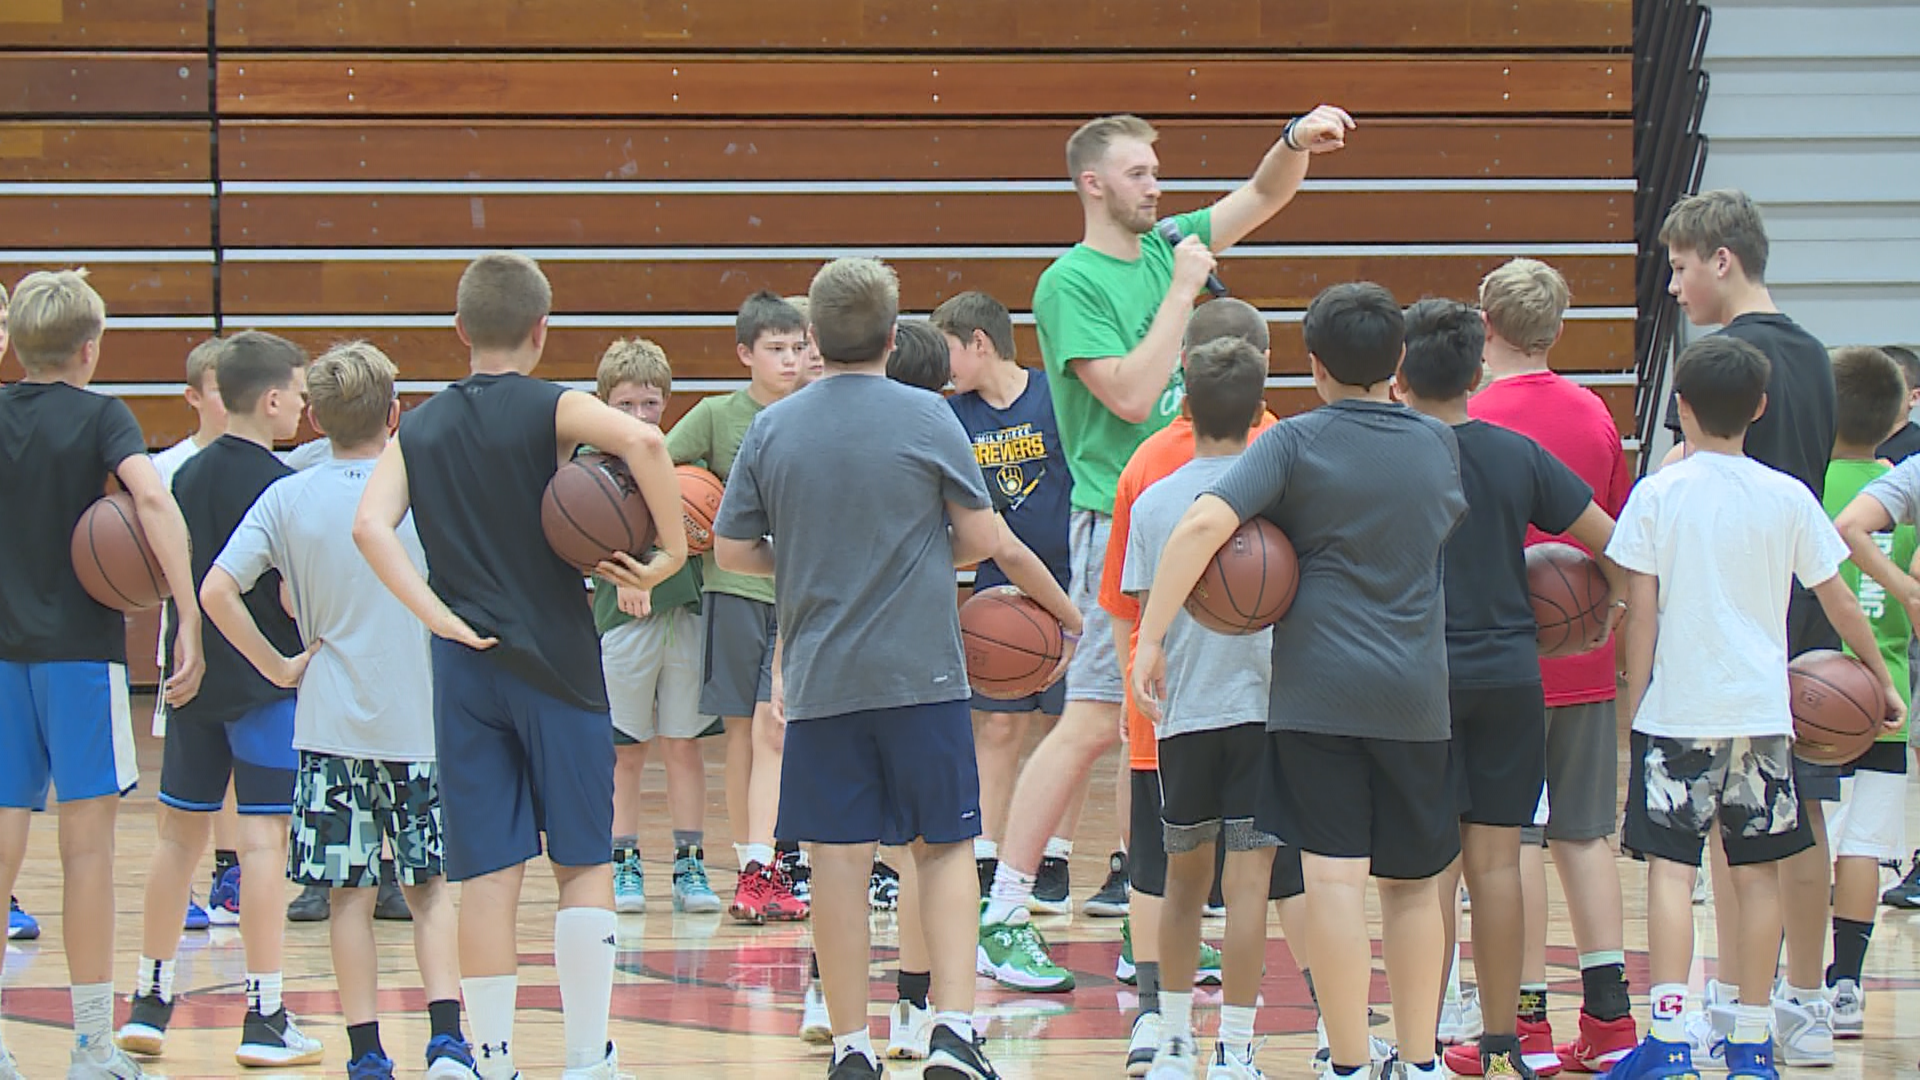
(1015, 460)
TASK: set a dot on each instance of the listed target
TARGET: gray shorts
(1583, 773)
(653, 675)
(1094, 674)
(739, 655)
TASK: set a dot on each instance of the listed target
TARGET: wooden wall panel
(118, 84)
(717, 286)
(105, 221)
(888, 149)
(1075, 86)
(146, 355)
(106, 150)
(103, 24)
(135, 288)
(453, 220)
(919, 24)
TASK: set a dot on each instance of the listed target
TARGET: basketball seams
(93, 549)
(1840, 692)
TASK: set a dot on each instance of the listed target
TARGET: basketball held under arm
(1843, 611)
(1023, 568)
(167, 532)
(376, 526)
(582, 419)
(1594, 529)
(1202, 531)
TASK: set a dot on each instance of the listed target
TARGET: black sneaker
(1052, 891)
(273, 1041)
(987, 868)
(1905, 895)
(950, 1057)
(145, 1032)
(1111, 901)
(854, 1067)
(800, 872)
(391, 904)
(310, 906)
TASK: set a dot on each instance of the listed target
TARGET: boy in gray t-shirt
(1211, 731)
(1368, 492)
(363, 719)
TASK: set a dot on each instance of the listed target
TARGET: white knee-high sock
(583, 949)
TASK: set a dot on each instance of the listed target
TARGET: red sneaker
(751, 895)
(1601, 1045)
(781, 904)
(1536, 1049)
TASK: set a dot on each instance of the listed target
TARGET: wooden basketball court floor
(698, 996)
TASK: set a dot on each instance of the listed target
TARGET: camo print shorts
(1679, 789)
(342, 807)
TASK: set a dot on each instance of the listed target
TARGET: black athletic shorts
(1499, 753)
(1348, 797)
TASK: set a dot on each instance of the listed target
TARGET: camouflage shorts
(342, 807)
(1681, 789)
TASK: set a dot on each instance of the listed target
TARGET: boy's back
(367, 693)
(1368, 493)
(1724, 535)
(864, 565)
(479, 455)
(58, 445)
(215, 489)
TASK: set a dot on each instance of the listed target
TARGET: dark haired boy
(1495, 694)
(1368, 491)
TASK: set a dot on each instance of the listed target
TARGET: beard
(1138, 219)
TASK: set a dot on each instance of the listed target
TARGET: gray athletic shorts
(1094, 674)
(653, 675)
(739, 655)
(1583, 774)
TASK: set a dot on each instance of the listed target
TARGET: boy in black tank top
(520, 707)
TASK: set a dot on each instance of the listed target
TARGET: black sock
(224, 861)
(1604, 990)
(1850, 940)
(1493, 1045)
(914, 986)
(1147, 976)
(1350, 1070)
(786, 847)
(1533, 1005)
(364, 1039)
(813, 966)
(444, 1016)
(1311, 996)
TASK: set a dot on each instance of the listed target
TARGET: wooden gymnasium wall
(325, 169)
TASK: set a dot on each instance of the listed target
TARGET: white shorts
(653, 676)
(1871, 819)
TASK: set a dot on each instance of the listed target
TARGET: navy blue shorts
(888, 776)
(255, 751)
(1049, 702)
(515, 762)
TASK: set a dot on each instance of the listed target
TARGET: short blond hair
(1087, 146)
(350, 389)
(798, 303)
(204, 360)
(53, 315)
(633, 360)
(854, 303)
(502, 296)
(1524, 301)
(1711, 220)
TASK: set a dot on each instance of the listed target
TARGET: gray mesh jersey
(1368, 492)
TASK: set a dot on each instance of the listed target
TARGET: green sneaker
(1015, 956)
(1206, 974)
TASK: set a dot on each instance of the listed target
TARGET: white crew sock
(984, 848)
(1058, 848)
(1236, 1026)
(1010, 893)
(1669, 1002)
(490, 1002)
(756, 853)
(93, 1016)
(1176, 1014)
(583, 948)
(263, 992)
(858, 1042)
(154, 978)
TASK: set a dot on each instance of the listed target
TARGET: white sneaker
(1460, 1021)
(1803, 1031)
(268, 1042)
(1378, 1049)
(909, 1028)
(1175, 1060)
(8, 1071)
(1143, 1044)
(1849, 1010)
(85, 1065)
(816, 1029)
(1702, 886)
(1228, 1064)
(608, 1068)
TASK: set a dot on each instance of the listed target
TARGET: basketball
(1012, 643)
(112, 558)
(592, 509)
(1250, 583)
(700, 493)
(1837, 707)
(1569, 595)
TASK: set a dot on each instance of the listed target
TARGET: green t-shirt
(680, 590)
(1846, 479)
(709, 435)
(1088, 306)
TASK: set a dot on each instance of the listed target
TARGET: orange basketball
(592, 509)
(112, 558)
(700, 494)
(1249, 584)
(1569, 595)
(1837, 707)
(1012, 643)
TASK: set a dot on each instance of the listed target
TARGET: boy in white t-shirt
(363, 720)
(1712, 544)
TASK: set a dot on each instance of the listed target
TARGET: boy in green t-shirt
(1869, 826)
(770, 337)
(650, 644)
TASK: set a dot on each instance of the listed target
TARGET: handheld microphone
(1169, 230)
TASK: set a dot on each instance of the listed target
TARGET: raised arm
(1274, 183)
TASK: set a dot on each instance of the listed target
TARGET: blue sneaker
(450, 1058)
(1656, 1060)
(196, 915)
(20, 925)
(223, 903)
(372, 1065)
(692, 893)
(1750, 1060)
